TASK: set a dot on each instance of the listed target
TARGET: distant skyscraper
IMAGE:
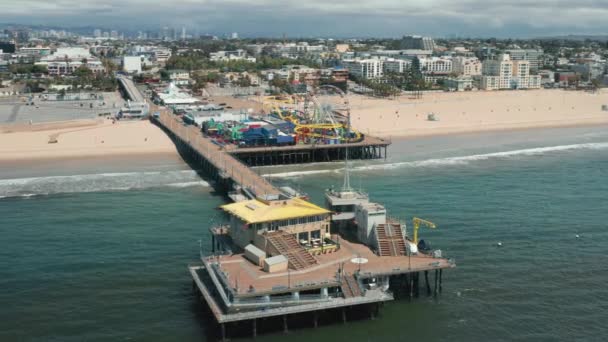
(97, 33)
(234, 35)
(114, 34)
(183, 33)
(164, 33)
(106, 34)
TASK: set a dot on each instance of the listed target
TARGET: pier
(214, 159)
(278, 257)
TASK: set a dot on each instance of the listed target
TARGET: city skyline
(386, 18)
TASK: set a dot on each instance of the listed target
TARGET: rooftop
(257, 211)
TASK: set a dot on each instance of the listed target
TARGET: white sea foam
(188, 184)
(117, 181)
(297, 173)
(451, 161)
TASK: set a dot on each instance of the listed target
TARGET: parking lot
(17, 109)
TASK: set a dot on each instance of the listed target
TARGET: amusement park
(320, 117)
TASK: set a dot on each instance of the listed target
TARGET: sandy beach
(481, 111)
(99, 140)
(404, 116)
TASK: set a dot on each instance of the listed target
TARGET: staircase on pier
(287, 245)
(390, 239)
(350, 286)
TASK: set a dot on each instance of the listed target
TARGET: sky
(312, 18)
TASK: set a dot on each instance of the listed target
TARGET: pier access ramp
(390, 239)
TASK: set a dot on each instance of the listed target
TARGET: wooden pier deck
(226, 166)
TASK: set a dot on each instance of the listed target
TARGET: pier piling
(436, 281)
(426, 280)
(440, 280)
(223, 329)
(285, 330)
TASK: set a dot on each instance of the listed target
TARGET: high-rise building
(417, 43)
(164, 33)
(505, 73)
(234, 35)
(114, 34)
(97, 33)
(531, 55)
(183, 33)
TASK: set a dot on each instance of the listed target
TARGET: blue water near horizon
(101, 256)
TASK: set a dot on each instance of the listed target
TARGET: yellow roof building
(257, 211)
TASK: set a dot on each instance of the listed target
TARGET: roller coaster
(316, 121)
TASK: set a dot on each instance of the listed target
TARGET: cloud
(322, 17)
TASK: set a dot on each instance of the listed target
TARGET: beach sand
(465, 112)
(103, 139)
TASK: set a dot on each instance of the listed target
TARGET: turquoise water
(99, 253)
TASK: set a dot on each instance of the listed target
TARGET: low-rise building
(179, 77)
(461, 83)
(466, 66)
(222, 56)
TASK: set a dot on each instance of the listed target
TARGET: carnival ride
(323, 116)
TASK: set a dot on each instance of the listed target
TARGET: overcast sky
(339, 18)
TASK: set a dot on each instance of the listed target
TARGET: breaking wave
(39, 186)
(450, 161)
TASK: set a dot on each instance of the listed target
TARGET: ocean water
(97, 250)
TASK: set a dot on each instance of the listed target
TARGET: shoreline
(412, 134)
(467, 112)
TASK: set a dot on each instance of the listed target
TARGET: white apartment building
(436, 65)
(504, 73)
(466, 66)
(131, 64)
(392, 65)
(365, 68)
(502, 68)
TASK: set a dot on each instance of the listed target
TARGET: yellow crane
(416, 223)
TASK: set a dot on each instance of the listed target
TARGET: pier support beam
(285, 330)
(417, 284)
(426, 280)
(440, 280)
(436, 281)
(223, 329)
(344, 315)
(254, 325)
(315, 319)
(410, 277)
